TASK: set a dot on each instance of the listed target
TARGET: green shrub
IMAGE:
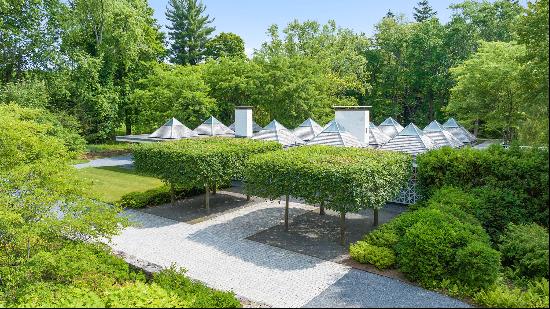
(431, 239)
(384, 236)
(477, 265)
(366, 253)
(48, 295)
(141, 295)
(514, 182)
(197, 294)
(502, 296)
(154, 197)
(345, 179)
(525, 248)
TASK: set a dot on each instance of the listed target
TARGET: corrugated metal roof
(377, 138)
(308, 130)
(410, 140)
(441, 136)
(459, 131)
(335, 135)
(275, 131)
(390, 127)
(173, 129)
(255, 127)
(213, 127)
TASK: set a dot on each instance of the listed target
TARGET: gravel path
(126, 161)
(217, 253)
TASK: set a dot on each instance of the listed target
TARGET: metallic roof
(275, 131)
(213, 127)
(335, 135)
(390, 127)
(173, 129)
(377, 138)
(308, 129)
(410, 140)
(441, 136)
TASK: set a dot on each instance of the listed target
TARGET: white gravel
(216, 252)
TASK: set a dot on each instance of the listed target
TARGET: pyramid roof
(390, 127)
(213, 127)
(172, 129)
(335, 134)
(410, 140)
(308, 129)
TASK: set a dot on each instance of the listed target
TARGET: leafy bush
(198, 295)
(48, 295)
(514, 181)
(154, 197)
(192, 163)
(525, 248)
(141, 295)
(345, 179)
(384, 236)
(366, 253)
(431, 239)
(502, 296)
(477, 265)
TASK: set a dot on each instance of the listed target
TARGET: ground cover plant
(110, 184)
(198, 163)
(340, 179)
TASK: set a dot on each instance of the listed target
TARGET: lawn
(111, 183)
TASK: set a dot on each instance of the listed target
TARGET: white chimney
(355, 120)
(243, 121)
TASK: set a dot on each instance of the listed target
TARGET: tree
(532, 30)
(423, 11)
(189, 30)
(488, 89)
(171, 91)
(225, 44)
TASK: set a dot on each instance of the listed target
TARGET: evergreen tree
(423, 11)
(189, 30)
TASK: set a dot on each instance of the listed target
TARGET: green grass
(109, 184)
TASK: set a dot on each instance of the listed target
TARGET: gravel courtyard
(217, 252)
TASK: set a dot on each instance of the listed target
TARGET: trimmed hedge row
(198, 162)
(344, 179)
(155, 197)
(511, 183)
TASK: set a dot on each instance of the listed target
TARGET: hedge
(155, 197)
(198, 162)
(511, 183)
(341, 179)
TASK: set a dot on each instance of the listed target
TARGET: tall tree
(225, 44)
(189, 30)
(423, 11)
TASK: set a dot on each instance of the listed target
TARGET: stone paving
(217, 252)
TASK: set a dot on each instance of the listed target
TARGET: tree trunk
(286, 213)
(476, 127)
(128, 124)
(375, 223)
(322, 208)
(207, 198)
(343, 228)
(248, 197)
(214, 188)
(172, 195)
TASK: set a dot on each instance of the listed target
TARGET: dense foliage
(194, 163)
(344, 179)
(500, 185)
(155, 197)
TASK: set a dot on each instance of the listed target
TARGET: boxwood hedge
(199, 162)
(341, 179)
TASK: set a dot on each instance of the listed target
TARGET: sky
(251, 18)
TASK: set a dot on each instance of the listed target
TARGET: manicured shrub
(500, 295)
(366, 253)
(345, 179)
(48, 295)
(384, 236)
(156, 196)
(141, 295)
(525, 249)
(431, 239)
(197, 294)
(513, 182)
(477, 265)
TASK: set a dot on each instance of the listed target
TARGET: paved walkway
(217, 253)
(126, 160)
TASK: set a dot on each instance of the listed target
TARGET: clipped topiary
(477, 265)
(366, 253)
